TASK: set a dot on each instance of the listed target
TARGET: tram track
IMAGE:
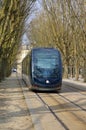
(71, 89)
(60, 106)
(57, 118)
(72, 102)
(76, 89)
(73, 105)
(48, 107)
(70, 112)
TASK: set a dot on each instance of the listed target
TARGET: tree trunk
(76, 70)
(84, 71)
(65, 71)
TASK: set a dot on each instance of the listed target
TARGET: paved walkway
(78, 84)
(14, 114)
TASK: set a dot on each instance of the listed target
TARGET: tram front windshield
(46, 66)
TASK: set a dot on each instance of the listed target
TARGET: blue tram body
(45, 69)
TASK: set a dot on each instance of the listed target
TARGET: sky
(36, 9)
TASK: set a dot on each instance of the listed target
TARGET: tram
(43, 66)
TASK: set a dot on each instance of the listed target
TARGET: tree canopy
(13, 14)
(62, 24)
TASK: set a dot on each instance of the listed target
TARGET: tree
(62, 25)
(13, 14)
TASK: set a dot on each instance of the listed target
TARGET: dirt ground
(14, 114)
